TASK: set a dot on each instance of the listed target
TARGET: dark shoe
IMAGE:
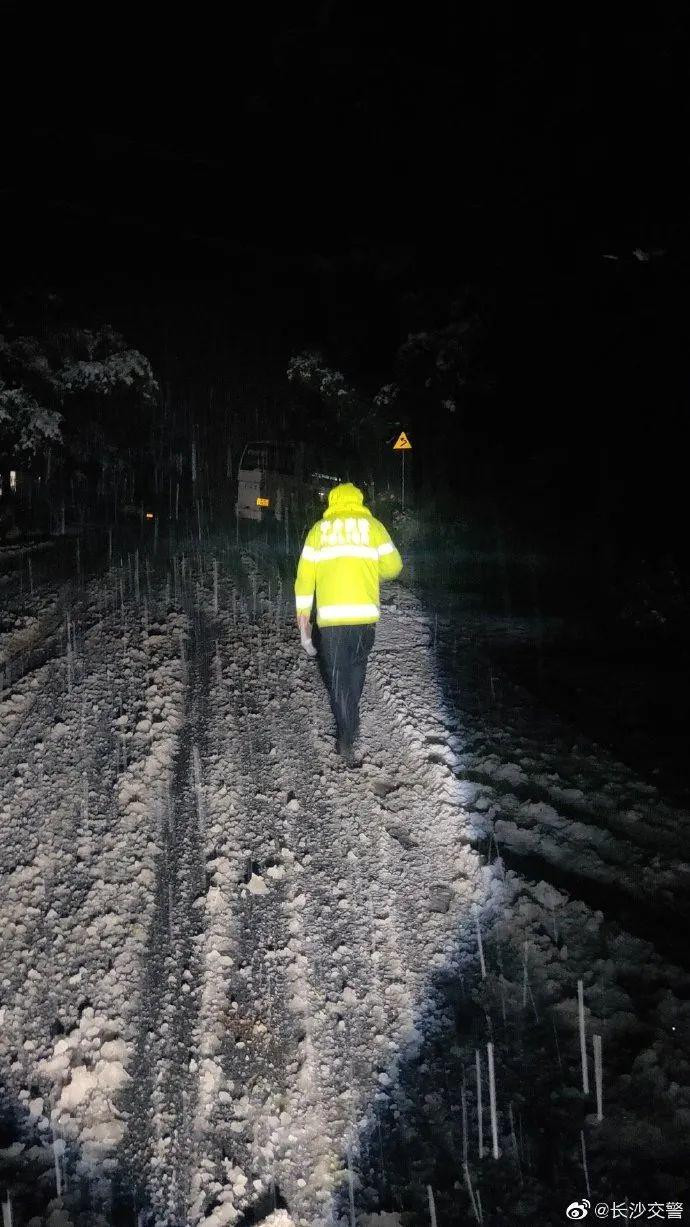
(345, 751)
(349, 755)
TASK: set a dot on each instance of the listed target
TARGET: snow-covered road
(235, 976)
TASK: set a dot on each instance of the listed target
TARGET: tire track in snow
(590, 853)
(247, 1036)
(161, 1105)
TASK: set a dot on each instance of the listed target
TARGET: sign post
(402, 444)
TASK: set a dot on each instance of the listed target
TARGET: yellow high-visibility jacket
(344, 557)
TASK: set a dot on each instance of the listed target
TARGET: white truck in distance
(272, 479)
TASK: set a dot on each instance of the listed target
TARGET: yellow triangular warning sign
(403, 443)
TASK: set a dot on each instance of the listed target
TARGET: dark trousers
(343, 653)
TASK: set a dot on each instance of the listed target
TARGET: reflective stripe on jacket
(344, 557)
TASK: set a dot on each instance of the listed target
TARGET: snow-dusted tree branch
(43, 383)
(387, 395)
(308, 368)
(109, 365)
(25, 425)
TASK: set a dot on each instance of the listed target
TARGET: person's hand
(305, 634)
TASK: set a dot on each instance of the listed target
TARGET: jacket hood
(345, 500)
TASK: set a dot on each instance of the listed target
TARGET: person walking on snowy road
(345, 555)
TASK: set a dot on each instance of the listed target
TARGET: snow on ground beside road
(79, 825)
(237, 976)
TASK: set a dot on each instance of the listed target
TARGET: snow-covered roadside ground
(31, 612)
(88, 740)
(259, 981)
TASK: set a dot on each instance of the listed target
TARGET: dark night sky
(492, 144)
(510, 133)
